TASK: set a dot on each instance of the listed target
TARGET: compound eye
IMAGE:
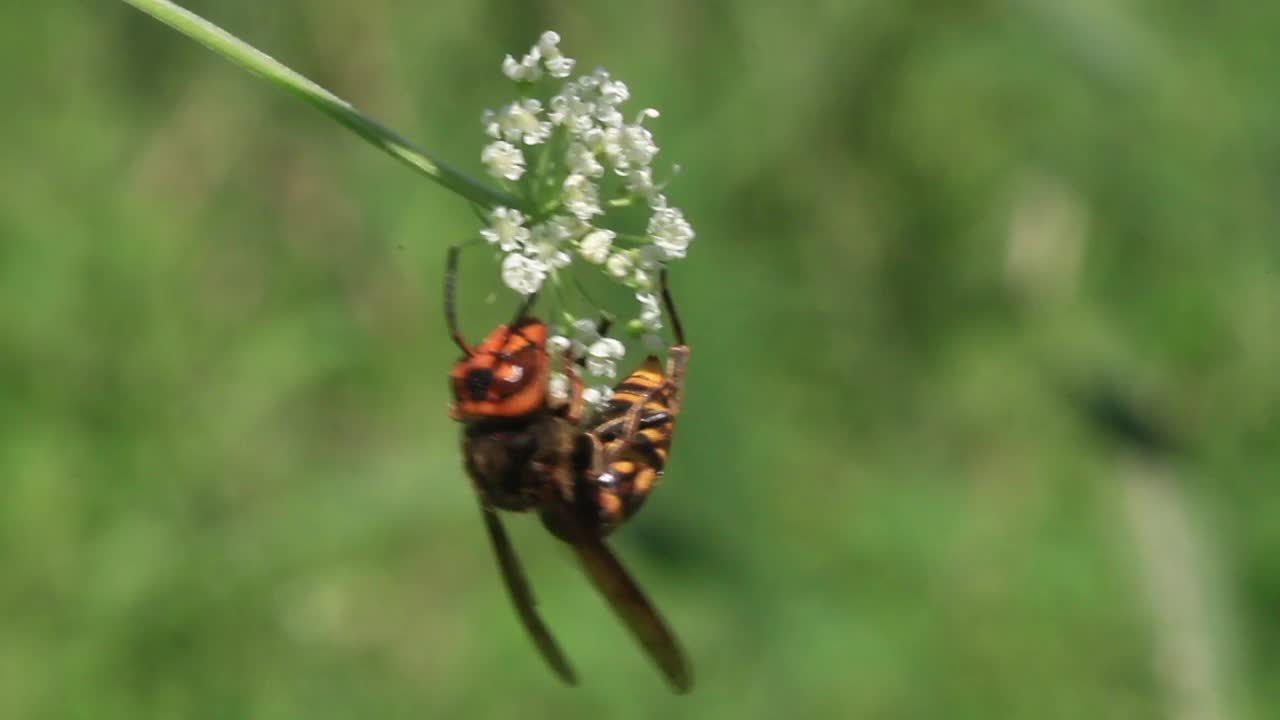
(478, 381)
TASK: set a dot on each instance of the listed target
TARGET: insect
(583, 476)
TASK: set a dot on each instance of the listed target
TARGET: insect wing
(522, 598)
(628, 601)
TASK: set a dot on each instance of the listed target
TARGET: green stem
(259, 63)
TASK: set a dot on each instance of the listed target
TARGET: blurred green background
(984, 414)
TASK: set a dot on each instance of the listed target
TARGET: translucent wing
(628, 601)
(522, 598)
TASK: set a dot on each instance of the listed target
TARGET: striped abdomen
(633, 432)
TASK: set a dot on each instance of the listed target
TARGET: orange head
(505, 376)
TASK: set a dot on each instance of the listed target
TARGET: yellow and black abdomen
(633, 439)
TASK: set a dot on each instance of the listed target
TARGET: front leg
(677, 366)
(575, 407)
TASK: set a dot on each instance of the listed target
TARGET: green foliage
(958, 264)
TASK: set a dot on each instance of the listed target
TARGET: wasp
(583, 474)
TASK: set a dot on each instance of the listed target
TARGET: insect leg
(677, 366)
(574, 409)
(677, 355)
(522, 597)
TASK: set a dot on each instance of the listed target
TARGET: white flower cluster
(568, 153)
(601, 354)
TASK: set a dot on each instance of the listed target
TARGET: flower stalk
(374, 132)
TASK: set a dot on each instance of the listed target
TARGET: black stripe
(637, 388)
(610, 426)
(645, 447)
(619, 405)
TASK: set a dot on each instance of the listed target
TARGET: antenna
(450, 287)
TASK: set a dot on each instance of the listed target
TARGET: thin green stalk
(259, 63)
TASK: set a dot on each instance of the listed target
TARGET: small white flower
(571, 111)
(549, 241)
(601, 367)
(650, 311)
(605, 394)
(523, 274)
(563, 228)
(581, 197)
(503, 160)
(558, 386)
(585, 333)
(561, 259)
(582, 160)
(558, 65)
(597, 396)
(587, 84)
(670, 232)
(613, 92)
(595, 246)
(548, 41)
(608, 348)
(506, 229)
(640, 182)
(586, 329)
(608, 116)
(636, 148)
(520, 122)
(629, 147)
(619, 265)
(557, 344)
(602, 357)
(611, 146)
(489, 119)
(593, 138)
(642, 279)
(526, 70)
(551, 255)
